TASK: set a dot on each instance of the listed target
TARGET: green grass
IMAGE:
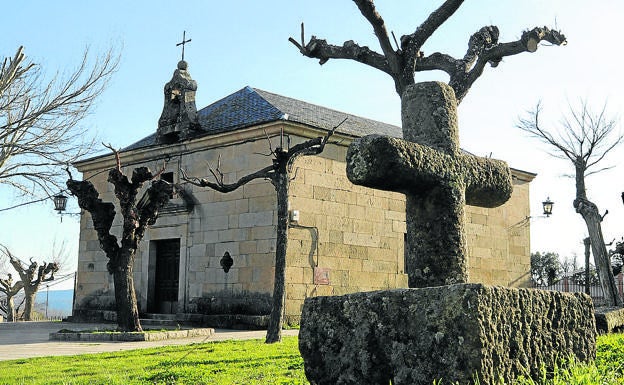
(248, 362)
(227, 362)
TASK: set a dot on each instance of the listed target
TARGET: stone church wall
(350, 236)
(241, 223)
(498, 239)
(361, 234)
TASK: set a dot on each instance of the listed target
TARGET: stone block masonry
(437, 178)
(355, 233)
(361, 234)
(413, 336)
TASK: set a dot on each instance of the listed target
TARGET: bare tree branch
(102, 213)
(39, 120)
(320, 49)
(367, 8)
(416, 40)
(402, 64)
(484, 48)
(586, 139)
(279, 175)
(311, 147)
(264, 173)
(114, 151)
(531, 126)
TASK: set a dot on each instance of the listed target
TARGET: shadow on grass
(220, 361)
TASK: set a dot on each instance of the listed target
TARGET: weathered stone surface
(179, 116)
(609, 319)
(392, 164)
(438, 179)
(413, 336)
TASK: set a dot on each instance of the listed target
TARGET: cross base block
(454, 333)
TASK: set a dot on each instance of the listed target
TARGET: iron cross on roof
(182, 43)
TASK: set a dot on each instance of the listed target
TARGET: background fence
(595, 291)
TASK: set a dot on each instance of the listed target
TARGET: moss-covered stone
(609, 319)
(413, 336)
(438, 179)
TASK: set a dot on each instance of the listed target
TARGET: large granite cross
(437, 178)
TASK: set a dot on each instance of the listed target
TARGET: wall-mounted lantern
(548, 207)
(226, 262)
(60, 205)
(60, 202)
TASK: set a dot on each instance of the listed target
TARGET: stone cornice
(207, 142)
(258, 132)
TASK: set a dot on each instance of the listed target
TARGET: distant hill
(59, 301)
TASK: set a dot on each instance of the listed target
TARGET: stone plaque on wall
(321, 276)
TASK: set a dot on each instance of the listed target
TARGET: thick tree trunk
(10, 309)
(29, 303)
(125, 296)
(403, 80)
(587, 243)
(591, 215)
(592, 218)
(136, 219)
(276, 320)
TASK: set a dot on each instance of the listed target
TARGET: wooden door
(167, 277)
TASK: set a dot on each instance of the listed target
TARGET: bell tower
(178, 120)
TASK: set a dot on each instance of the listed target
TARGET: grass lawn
(226, 362)
(241, 362)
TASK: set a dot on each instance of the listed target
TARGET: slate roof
(251, 106)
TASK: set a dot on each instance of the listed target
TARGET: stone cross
(438, 179)
(182, 43)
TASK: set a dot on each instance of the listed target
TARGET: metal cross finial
(182, 43)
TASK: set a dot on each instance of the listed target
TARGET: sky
(240, 43)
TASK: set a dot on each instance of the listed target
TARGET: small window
(167, 177)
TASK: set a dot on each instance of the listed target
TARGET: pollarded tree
(31, 277)
(584, 139)
(10, 290)
(137, 217)
(279, 174)
(403, 61)
(39, 120)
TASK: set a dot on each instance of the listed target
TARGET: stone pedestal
(413, 336)
(609, 319)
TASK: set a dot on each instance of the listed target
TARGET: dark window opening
(170, 138)
(167, 177)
